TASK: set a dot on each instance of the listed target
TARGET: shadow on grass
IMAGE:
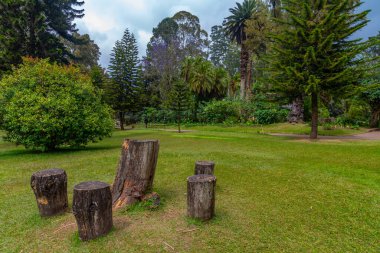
(59, 151)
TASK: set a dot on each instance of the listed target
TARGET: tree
(36, 28)
(179, 100)
(223, 53)
(315, 53)
(235, 26)
(123, 90)
(173, 40)
(371, 93)
(46, 106)
(85, 54)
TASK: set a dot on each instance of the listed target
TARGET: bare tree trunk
(314, 116)
(375, 118)
(50, 189)
(121, 119)
(244, 58)
(296, 114)
(92, 208)
(135, 172)
(248, 79)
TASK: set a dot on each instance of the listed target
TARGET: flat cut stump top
(91, 185)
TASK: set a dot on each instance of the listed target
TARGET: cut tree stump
(204, 167)
(135, 172)
(201, 196)
(92, 208)
(50, 188)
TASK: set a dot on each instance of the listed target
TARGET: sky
(106, 20)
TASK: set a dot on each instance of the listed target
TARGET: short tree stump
(204, 167)
(201, 196)
(50, 188)
(92, 208)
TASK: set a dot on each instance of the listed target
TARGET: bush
(46, 106)
(221, 111)
(270, 116)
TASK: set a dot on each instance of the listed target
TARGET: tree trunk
(375, 118)
(121, 119)
(92, 208)
(179, 122)
(201, 196)
(204, 167)
(244, 58)
(248, 79)
(314, 116)
(135, 172)
(50, 189)
(296, 114)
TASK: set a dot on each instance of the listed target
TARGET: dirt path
(373, 134)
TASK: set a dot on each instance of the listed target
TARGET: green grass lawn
(273, 194)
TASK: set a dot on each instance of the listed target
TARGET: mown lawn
(274, 194)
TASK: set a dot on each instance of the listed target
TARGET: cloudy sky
(106, 20)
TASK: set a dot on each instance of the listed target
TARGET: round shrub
(46, 106)
(270, 116)
(221, 111)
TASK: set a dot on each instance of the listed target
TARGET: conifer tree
(123, 90)
(315, 52)
(179, 100)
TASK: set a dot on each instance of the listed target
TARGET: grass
(273, 194)
(285, 128)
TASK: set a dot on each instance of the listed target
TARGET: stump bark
(204, 167)
(135, 172)
(92, 208)
(50, 188)
(201, 196)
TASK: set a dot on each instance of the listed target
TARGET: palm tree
(235, 28)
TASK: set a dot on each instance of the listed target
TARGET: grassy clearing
(273, 194)
(273, 128)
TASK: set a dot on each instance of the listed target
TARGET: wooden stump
(92, 208)
(201, 196)
(204, 167)
(135, 172)
(50, 189)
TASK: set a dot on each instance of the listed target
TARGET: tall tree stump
(201, 196)
(92, 208)
(204, 167)
(50, 189)
(135, 172)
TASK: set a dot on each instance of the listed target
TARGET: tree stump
(135, 172)
(92, 208)
(201, 196)
(204, 167)
(50, 189)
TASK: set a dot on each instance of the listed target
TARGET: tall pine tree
(125, 73)
(36, 28)
(315, 52)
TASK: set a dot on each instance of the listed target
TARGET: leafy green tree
(123, 89)
(235, 26)
(179, 100)
(315, 53)
(46, 106)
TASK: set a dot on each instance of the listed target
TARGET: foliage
(221, 111)
(124, 88)
(235, 27)
(270, 116)
(36, 28)
(179, 100)
(85, 54)
(315, 53)
(173, 40)
(46, 106)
